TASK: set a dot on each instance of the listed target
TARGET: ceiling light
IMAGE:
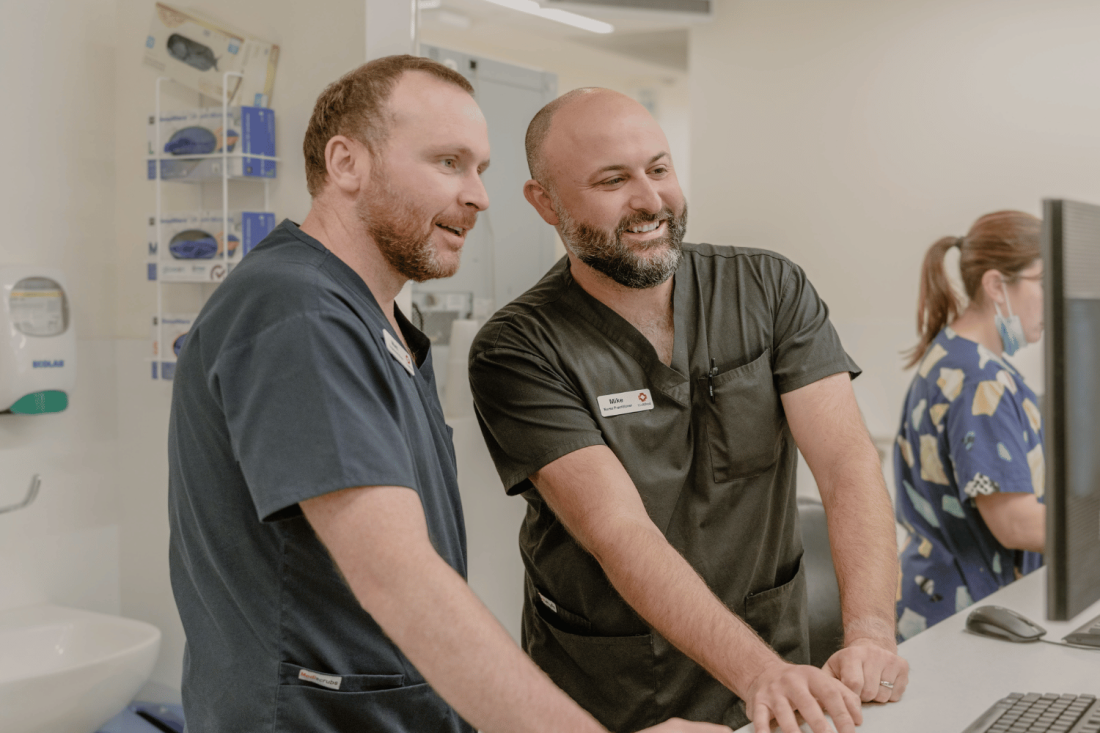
(455, 20)
(561, 16)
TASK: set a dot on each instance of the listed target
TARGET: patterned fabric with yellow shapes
(970, 426)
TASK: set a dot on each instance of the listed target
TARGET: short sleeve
(528, 413)
(989, 443)
(311, 409)
(806, 346)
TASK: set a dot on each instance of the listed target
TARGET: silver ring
(887, 685)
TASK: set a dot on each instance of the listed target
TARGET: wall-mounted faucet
(32, 492)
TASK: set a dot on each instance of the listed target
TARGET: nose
(474, 193)
(646, 196)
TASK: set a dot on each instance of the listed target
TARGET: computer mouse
(1003, 623)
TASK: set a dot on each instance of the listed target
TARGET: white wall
(851, 134)
(57, 205)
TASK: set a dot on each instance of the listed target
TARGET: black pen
(710, 379)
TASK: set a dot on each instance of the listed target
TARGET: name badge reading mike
(624, 403)
(398, 352)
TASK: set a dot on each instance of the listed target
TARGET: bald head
(577, 107)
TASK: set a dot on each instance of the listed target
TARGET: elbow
(619, 540)
(1017, 521)
(1022, 533)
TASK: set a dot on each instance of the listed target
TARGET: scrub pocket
(378, 703)
(612, 677)
(781, 616)
(744, 421)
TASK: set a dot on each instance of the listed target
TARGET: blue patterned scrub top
(970, 426)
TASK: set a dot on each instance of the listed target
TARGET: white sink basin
(69, 671)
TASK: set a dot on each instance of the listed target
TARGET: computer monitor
(1071, 405)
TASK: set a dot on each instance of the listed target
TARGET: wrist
(874, 631)
(765, 668)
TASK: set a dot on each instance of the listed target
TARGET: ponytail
(1005, 241)
(938, 304)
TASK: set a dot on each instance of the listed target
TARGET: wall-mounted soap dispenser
(37, 341)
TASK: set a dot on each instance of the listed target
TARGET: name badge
(625, 402)
(398, 352)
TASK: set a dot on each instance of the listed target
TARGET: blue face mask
(1010, 329)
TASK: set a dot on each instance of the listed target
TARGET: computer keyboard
(1087, 635)
(1036, 713)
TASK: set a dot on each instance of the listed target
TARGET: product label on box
(330, 681)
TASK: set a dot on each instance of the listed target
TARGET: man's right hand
(783, 688)
(678, 725)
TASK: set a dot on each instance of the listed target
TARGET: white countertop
(955, 676)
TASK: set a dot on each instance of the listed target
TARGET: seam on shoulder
(731, 255)
(499, 322)
(547, 457)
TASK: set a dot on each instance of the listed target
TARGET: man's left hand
(871, 670)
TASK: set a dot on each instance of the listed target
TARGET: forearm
(863, 538)
(464, 653)
(379, 540)
(658, 583)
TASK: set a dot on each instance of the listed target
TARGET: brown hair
(354, 105)
(1005, 241)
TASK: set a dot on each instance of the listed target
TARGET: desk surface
(954, 675)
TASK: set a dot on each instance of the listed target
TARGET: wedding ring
(887, 685)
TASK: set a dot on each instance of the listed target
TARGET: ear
(348, 163)
(991, 287)
(538, 197)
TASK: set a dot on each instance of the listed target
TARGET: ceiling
(653, 36)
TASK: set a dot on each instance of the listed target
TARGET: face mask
(1010, 329)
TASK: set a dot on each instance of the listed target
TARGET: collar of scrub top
(668, 380)
(414, 337)
(418, 342)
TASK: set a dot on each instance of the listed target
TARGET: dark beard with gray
(605, 252)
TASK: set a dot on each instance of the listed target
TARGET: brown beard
(605, 252)
(402, 231)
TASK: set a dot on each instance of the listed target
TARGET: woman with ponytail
(968, 462)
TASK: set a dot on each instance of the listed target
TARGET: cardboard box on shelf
(174, 328)
(197, 51)
(195, 248)
(188, 133)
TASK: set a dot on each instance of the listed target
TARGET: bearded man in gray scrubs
(646, 398)
(317, 549)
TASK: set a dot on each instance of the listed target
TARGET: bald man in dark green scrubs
(646, 398)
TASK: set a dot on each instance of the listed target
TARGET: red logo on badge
(641, 397)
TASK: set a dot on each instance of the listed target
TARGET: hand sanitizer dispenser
(37, 341)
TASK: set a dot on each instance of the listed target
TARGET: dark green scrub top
(717, 476)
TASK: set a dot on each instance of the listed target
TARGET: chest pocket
(745, 420)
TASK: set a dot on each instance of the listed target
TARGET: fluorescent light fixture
(561, 16)
(455, 20)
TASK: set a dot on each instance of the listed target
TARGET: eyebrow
(461, 150)
(621, 167)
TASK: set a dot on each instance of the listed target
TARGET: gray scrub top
(717, 475)
(286, 390)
